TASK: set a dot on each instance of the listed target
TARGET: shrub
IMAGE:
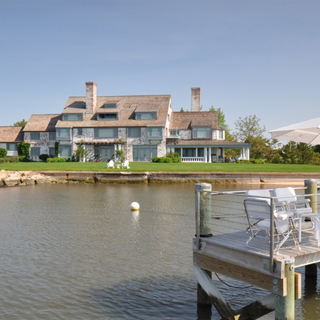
(23, 159)
(4, 160)
(43, 157)
(167, 160)
(155, 159)
(161, 160)
(3, 153)
(58, 159)
(14, 159)
(173, 156)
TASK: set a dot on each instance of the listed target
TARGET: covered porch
(101, 151)
(196, 152)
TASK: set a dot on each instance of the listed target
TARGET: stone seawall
(10, 178)
(183, 177)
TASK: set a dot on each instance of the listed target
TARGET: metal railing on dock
(223, 215)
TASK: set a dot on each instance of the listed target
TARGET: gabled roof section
(11, 134)
(42, 122)
(126, 118)
(187, 120)
(75, 105)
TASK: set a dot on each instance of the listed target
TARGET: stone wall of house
(185, 134)
(161, 148)
(44, 143)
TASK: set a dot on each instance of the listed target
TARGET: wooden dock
(228, 254)
(221, 246)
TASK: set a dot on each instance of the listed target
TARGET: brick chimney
(91, 96)
(195, 99)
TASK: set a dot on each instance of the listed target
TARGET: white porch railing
(192, 159)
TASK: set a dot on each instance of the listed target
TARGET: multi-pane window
(107, 116)
(146, 116)
(106, 132)
(144, 152)
(65, 151)
(134, 132)
(52, 136)
(201, 132)
(80, 132)
(220, 134)
(63, 134)
(11, 146)
(35, 135)
(154, 133)
(72, 117)
(35, 151)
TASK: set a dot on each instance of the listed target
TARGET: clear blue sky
(249, 57)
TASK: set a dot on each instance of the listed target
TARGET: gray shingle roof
(126, 118)
(42, 122)
(11, 134)
(186, 120)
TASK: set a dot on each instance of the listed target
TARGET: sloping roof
(186, 120)
(126, 118)
(147, 108)
(75, 105)
(42, 122)
(11, 134)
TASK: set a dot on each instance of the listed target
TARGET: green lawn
(166, 167)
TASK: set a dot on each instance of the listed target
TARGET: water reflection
(79, 252)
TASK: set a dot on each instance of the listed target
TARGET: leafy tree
(294, 152)
(305, 153)
(56, 148)
(23, 149)
(222, 123)
(248, 127)
(21, 123)
(3, 153)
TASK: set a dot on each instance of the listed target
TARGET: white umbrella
(306, 131)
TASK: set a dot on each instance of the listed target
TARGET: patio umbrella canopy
(306, 131)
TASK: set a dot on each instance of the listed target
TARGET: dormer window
(109, 105)
(146, 116)
(201, 132)
(107, 116)
(72, 117)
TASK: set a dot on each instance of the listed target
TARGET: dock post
(203, 208)
(311, 188)
(285, 305)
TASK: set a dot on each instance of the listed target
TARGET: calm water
(78, 252)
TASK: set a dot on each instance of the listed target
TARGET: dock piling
(311, 190)
(203, 228)
(285, 305)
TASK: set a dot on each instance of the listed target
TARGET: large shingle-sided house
(142, 126)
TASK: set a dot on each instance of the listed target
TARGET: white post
(210, 160)
(115, 154)
(205, 154)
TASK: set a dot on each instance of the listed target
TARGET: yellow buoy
(135, 206)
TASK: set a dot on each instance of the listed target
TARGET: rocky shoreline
(22, 178)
